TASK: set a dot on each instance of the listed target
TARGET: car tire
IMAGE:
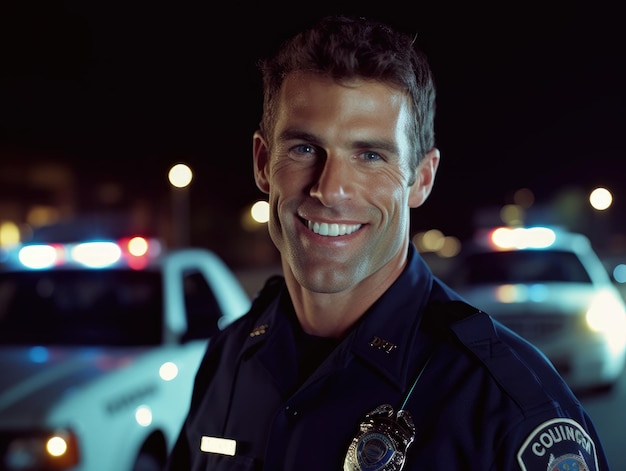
(147, 462)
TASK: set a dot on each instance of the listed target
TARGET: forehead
(303, 89)
(354, 103)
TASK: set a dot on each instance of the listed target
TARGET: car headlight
(41, 451)
(606, 315)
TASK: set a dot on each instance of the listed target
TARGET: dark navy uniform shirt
(485, 400)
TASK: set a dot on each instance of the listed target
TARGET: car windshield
(524, 266)
(80, 307)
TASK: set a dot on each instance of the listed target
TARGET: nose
(333, 182)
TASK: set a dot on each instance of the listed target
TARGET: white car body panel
(96, 391)
(551, 312)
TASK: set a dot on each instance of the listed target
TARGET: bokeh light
(600, 199)
(180, 175)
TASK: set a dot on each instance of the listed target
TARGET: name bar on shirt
(222, 446)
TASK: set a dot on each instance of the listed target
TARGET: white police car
(99, 346)
(550, 286)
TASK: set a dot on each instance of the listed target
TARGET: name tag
(222, 446)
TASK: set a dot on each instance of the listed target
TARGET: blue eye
(303, 150)
(370, 156)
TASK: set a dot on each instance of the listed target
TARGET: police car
(550, 286)
(99, 345)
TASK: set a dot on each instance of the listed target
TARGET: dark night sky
(529, 93)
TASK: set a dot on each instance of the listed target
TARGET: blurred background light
(180, 175)
(9, 233)
(600, 199)
(168, 371)
(39, 256)
(143, 415)
(524, 197)
(96, 254)
(56, 446)
(518, 238)
(138, 246)
(512, 215)
(619, 273)
(434, 241)
(260, 212)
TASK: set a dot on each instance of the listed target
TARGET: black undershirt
(311, 350)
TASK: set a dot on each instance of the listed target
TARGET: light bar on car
(132, 251)
(522, 237)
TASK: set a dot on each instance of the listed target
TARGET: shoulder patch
(557, 445)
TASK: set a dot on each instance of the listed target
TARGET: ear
(425, 178)
(260, 154)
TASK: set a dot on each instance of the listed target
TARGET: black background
(530, 94)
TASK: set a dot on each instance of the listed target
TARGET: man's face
(337, 173)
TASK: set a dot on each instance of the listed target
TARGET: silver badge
(382, 441)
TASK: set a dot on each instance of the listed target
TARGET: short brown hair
(343, 48)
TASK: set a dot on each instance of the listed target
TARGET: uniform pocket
(215, 462)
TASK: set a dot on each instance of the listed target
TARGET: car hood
(35, 378)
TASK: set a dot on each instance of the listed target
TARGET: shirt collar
(385, 337)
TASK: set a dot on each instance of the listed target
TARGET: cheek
(392, 206)
(283, 195)
(388, 191)
(289, 180)
(274, 225)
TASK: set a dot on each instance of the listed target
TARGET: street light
(180, 176)
(600, 199)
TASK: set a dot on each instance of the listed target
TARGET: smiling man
(341, 182)
(358, 358)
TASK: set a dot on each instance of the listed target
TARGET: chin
(324, 281)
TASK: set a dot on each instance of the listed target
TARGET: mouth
(332, 229)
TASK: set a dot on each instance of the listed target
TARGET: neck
(333, 314)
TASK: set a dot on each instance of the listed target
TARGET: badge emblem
(382, 441)
(568, 462)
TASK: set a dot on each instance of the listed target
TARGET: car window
(202, 308)
(81, 307)
(524, 266)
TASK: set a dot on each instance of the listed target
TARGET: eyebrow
(382, 144)
(289, 134)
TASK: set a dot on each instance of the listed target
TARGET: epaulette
(267, 293)
(481, 336)
(439, 316)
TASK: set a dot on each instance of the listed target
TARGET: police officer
(358, 358)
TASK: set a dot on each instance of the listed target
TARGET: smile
(333, 230)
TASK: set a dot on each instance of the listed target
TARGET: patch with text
(558, 445)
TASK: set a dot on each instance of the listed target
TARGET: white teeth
(333, 230)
